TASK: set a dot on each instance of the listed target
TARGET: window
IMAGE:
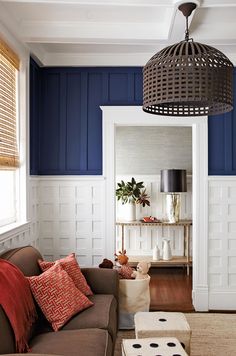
(9, 157)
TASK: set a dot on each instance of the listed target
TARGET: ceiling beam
(73, 32)
(158, 3)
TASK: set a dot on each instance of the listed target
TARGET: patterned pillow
(70, 265)
(57, 296)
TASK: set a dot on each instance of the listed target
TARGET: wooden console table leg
(187, 230)
(122, 237)
(185, 243)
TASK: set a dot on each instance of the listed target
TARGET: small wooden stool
(164, 346)
(162, 324)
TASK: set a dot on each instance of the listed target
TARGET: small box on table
(165, 346)
(163, 324)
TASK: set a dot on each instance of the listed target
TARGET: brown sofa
(90, 332)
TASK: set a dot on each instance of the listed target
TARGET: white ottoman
(163, 346)
(162, 324)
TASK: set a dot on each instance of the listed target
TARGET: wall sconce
(173, 182)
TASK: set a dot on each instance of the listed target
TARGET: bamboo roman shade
(9, 64)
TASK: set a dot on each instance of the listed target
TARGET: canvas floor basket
(134, 296)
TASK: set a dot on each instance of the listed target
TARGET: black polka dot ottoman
(163, 324)
(163, 346)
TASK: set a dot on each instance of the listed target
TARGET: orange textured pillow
(57, 296)
(70, 265)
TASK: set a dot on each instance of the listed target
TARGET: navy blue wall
(66, 135)
(66, 119)
(222, 141)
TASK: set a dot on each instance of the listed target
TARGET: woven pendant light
(188, 78)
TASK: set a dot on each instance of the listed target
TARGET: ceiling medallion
(188, 78)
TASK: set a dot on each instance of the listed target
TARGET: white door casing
(134, 116)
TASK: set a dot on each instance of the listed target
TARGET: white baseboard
(222, 300)
(200, 299)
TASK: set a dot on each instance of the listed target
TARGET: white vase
(129, 211)
(167, 255)
(156, 253)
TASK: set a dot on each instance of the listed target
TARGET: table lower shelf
(175, 261)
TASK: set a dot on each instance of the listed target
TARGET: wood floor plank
(171, 289)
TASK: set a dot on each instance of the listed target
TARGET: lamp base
(173, 207)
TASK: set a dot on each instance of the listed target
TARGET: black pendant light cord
(187, 30)
(187, 9)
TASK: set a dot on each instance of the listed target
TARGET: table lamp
(173, 182)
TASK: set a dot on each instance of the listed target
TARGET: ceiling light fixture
(188, 78)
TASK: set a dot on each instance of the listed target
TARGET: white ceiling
(114, 32)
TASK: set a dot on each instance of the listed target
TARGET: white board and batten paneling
(222, 243)
(72, 218)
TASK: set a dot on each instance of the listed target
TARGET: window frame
(21, 173)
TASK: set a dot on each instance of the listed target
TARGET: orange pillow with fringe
(71, 266)
(57, 296)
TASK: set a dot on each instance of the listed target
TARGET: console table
(176, 260)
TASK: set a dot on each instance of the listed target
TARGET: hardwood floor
(171, 289)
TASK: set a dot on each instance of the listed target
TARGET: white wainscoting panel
(72, 218)
(141, 240)
(222, 243)
(17, 237)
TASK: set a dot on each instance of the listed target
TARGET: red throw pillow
(57, 296)
(70, 265)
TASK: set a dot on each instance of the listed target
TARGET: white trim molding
(222, 300)
(134, 116)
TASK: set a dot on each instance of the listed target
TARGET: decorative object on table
(188, 78)
(106, 264)
(156, 253)
(130, 194)
(122, 266)
(141, 270)
(166, 251)
(173, 182)
(150, 219)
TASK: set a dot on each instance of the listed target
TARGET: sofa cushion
(7, 338)
(25, 258)
(71, 266)
(103, 315)
(87, 342)
(57, 295)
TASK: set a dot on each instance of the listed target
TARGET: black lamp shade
(173, 181)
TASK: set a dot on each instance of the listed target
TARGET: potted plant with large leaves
(130, 194)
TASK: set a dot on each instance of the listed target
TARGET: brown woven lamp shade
(188, 79)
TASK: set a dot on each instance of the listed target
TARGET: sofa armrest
(102, 280)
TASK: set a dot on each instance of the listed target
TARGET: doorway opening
(141, 153)
(134, 116)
